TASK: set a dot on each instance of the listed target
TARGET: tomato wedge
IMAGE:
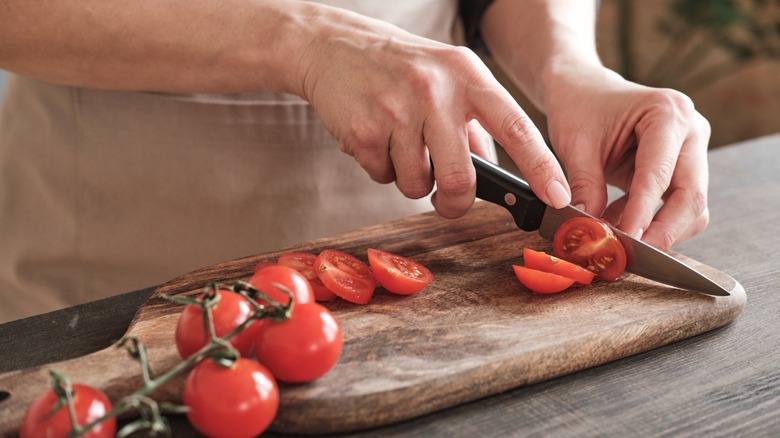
(542, 282)
(544, 262)
(303, 262)
(345, 275)
(398, 274)
(591, 244)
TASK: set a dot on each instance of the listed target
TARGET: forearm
(167, 46)
(537, 41)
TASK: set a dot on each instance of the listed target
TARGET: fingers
(586, 176)
(515, 132)
(456, 180)
(411, 162)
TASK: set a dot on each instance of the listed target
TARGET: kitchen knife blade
(498, 186)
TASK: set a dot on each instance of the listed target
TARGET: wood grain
(474, 332)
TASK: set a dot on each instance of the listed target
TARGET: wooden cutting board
(475, 331)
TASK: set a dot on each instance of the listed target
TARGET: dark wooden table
(723, 383)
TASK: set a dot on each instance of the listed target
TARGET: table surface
(722, 383)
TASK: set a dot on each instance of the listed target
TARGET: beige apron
(103, 192)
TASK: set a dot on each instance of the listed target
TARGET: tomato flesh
(303, 262)
(542, 282)
(89, 403)
(554, 265)
(590, 243)
(398, 274)
(345, 275)
(236, 401)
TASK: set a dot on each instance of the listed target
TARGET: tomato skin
(591, 244)
(302, 348)
(261, 265)
(230, 312)
(231, 402)
(345, 275)
(398, 274)
(303, 262)
(544, 262)
(542, 282)
(264, 279)
(89, 403)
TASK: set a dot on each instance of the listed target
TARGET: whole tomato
(233, 401)
(89, 403)
(302, 348)
(231, 311)
(264, 280)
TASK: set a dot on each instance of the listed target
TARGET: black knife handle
(500, 187)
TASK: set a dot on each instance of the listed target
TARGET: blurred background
(724, 54)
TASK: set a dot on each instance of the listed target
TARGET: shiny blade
(643, 259)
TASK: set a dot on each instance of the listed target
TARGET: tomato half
(547, 263)
(236, 401)
(345, 275)
(230, 312)
(302, 348)
(89, 403)
(542, 282)
(264, 279)
(591, 244)
(398, 274)
(303, 262)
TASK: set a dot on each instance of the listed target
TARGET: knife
(498, 186)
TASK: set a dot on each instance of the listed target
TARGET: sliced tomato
(303, 262)
(542, 282)
(398, 274)
(591, 244)
(544, 262)
(345, 275)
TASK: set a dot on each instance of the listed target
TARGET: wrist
(560, 74)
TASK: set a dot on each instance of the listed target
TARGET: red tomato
(302, 348)
(398, 274)
(236, 401)
(261, 265)
(264, 280)
(542, 282)
(345, 275)
(591, 244)
(547, 263)
(303, 262)
(89, 403)
(230, 312)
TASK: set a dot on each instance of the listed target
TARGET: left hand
(649, 142)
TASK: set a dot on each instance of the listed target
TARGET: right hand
(390, 98)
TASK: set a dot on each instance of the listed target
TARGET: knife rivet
(510, 199)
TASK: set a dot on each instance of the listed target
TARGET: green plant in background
(707, 41)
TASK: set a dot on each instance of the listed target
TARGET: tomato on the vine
(302, 348)
(345, 275)
(542, 282)
(231, 311)
(398, 274)
(554, 265)
(591, 244)
(234, 401)
(303, 262)
(261, 265)
(264, 279)
(89, 403)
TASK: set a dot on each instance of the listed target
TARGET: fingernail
(557, 194)
(638, 233)
(580, 207)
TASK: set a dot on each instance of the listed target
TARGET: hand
(649, 142)
(392, 98)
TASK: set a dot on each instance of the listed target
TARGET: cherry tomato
(345, 275)
(302, 348)
(547, 263)
(398, 274)
(230, 312)
(542, 282)
(264, 280)
(303, 262)
(236, 401)
(89, 403)
(591, 244)
(261, 265)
